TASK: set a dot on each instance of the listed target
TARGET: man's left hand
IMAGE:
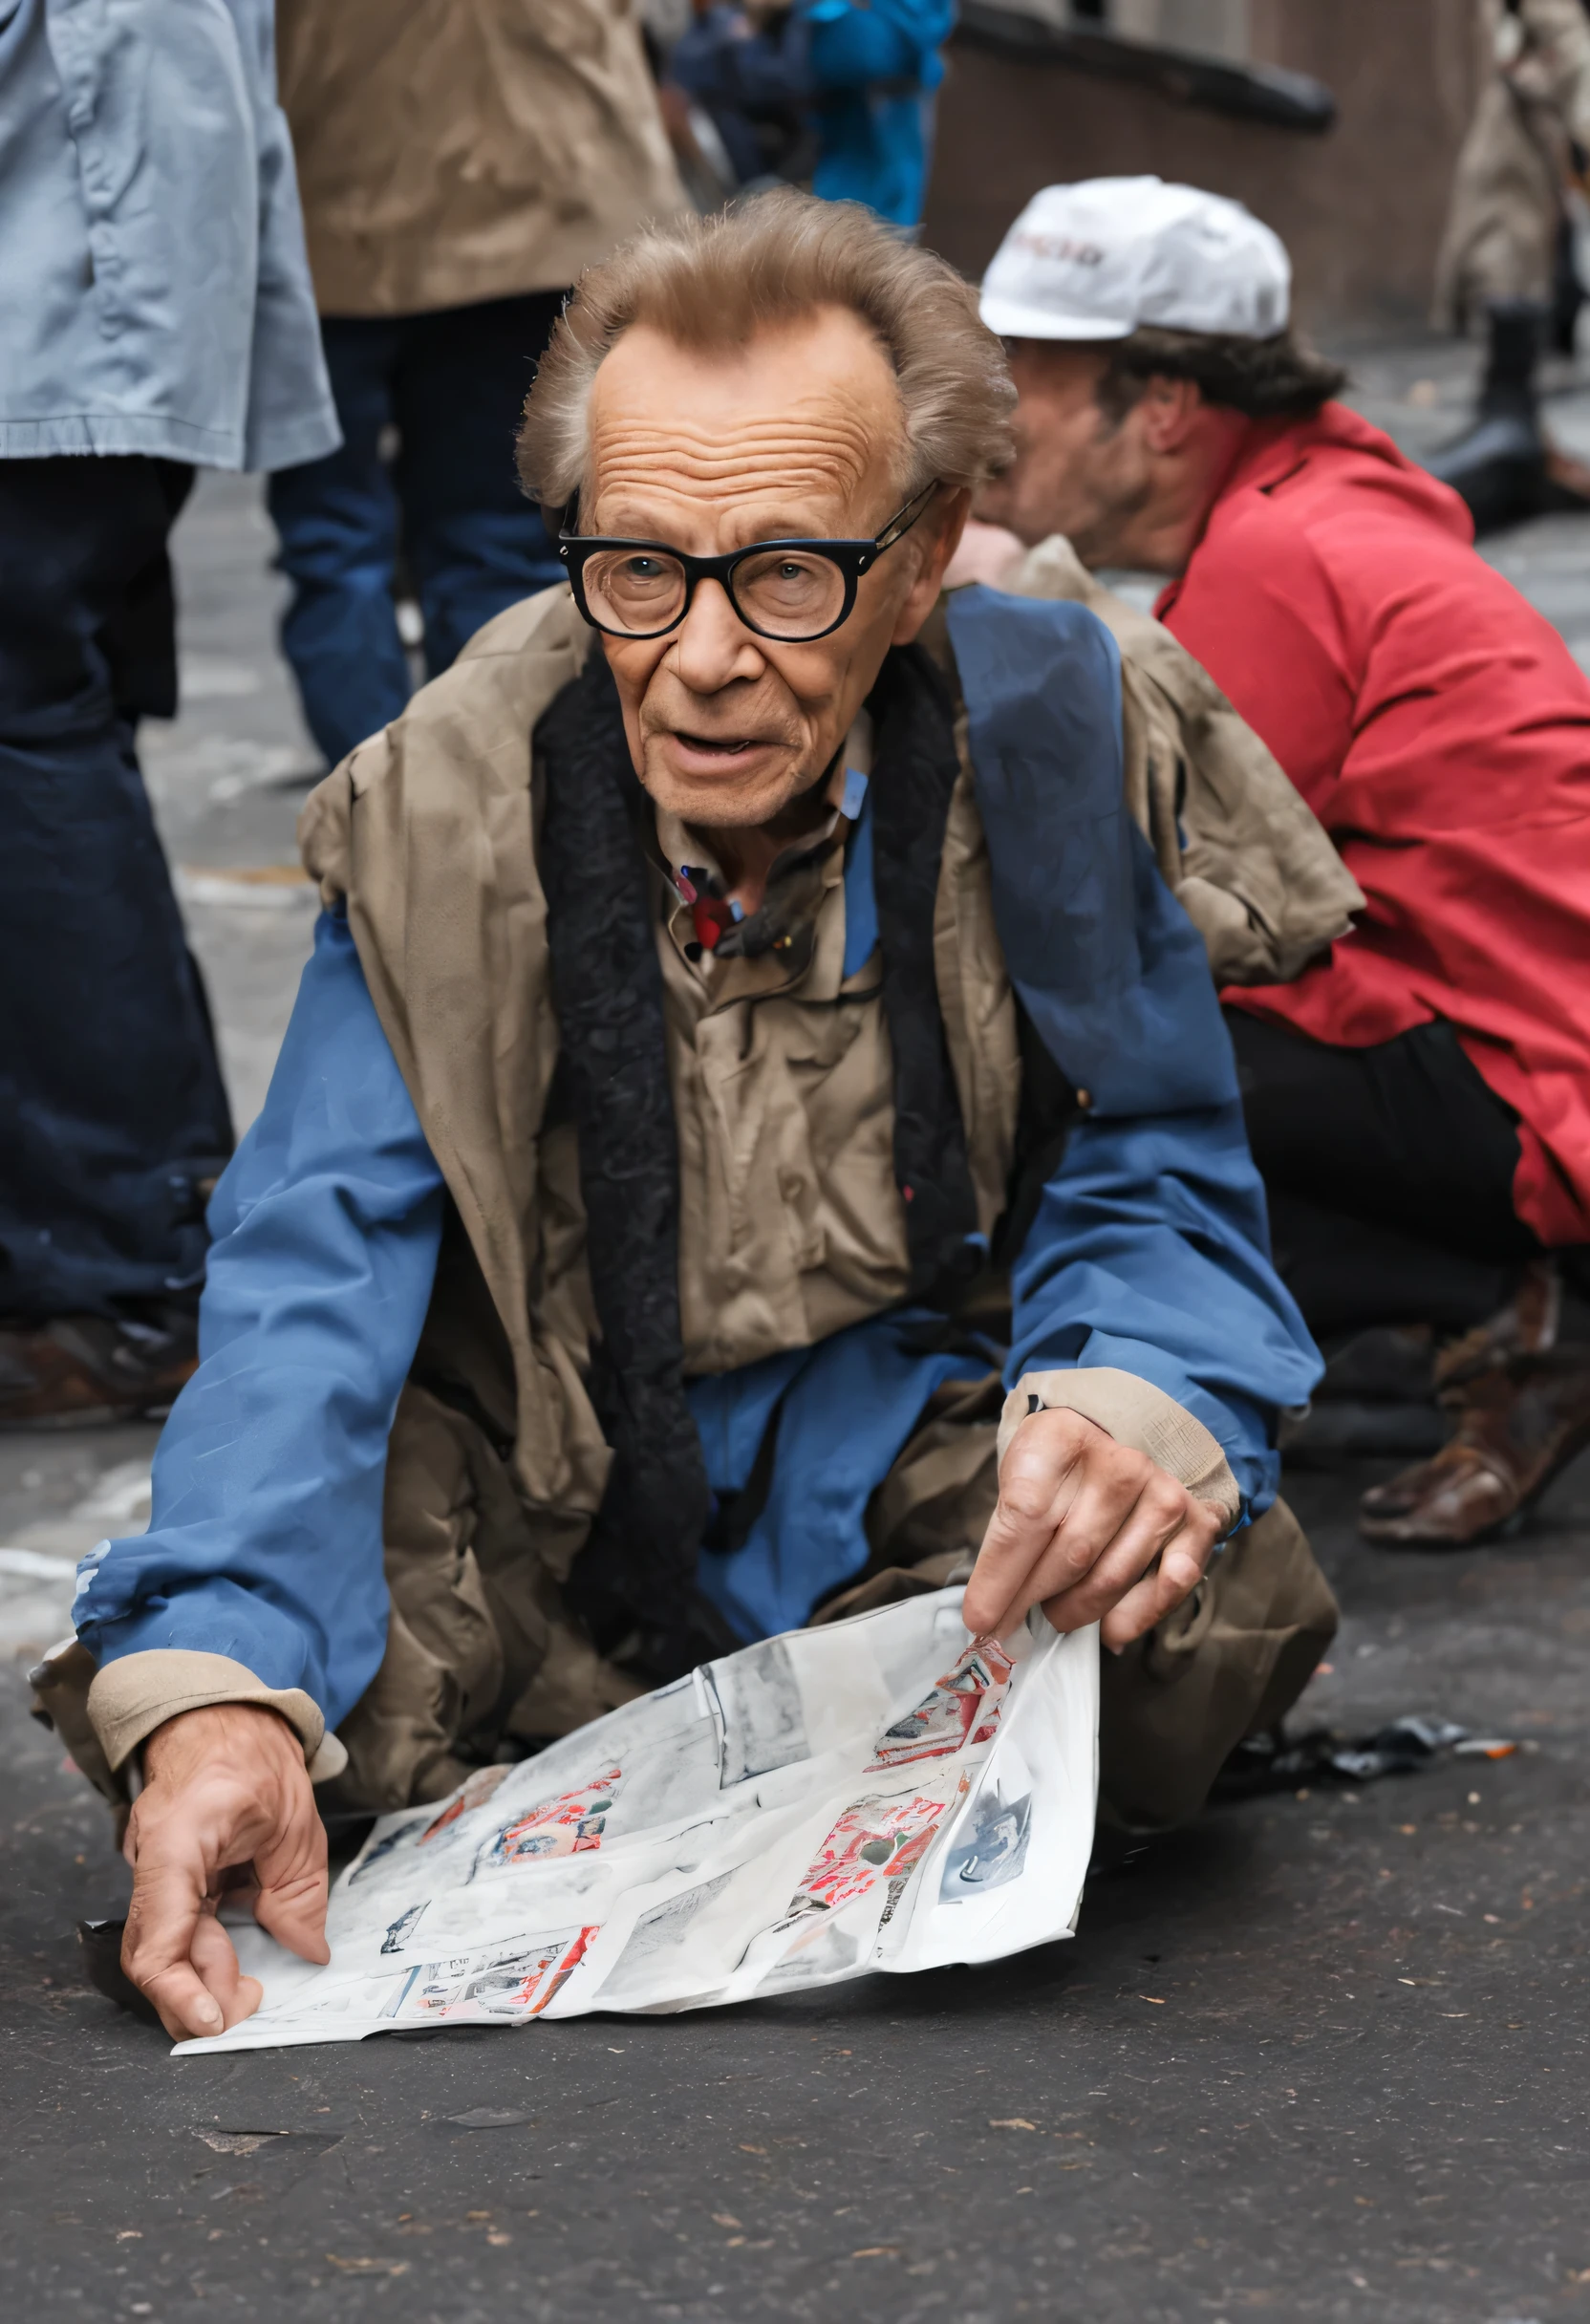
(1089, 1530)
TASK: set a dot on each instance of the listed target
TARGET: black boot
(1500, 466)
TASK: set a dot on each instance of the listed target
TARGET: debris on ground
(1276, 1762)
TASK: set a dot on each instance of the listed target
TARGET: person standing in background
(460, 168)
(875, 70)
(735, 96)
(1507, 253)
(156, 316)
(839, 94)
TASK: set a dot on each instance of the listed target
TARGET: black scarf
(634, 1583)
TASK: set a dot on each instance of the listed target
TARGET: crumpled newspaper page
(884, 1793)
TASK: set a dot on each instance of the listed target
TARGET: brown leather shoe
(1520, 1420)
(80, 1369)
(1528, 1325)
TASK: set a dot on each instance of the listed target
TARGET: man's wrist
(134, 1695)
(1137, 1414)
(215, 1735)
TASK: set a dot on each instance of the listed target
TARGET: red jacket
(1440, 729)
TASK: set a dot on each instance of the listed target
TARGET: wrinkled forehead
(798, 428)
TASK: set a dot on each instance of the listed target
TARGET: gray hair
(713, 282)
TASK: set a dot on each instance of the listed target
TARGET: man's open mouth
(725, 746)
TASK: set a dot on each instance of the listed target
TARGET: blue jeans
(452, 385)
(113, 1113)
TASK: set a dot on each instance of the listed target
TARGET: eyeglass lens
(786, 594)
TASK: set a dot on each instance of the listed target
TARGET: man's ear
(947, 515)
(1167, 413)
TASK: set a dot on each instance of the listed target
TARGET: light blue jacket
(155, 295)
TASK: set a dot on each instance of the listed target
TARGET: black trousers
(112, 1106)
(1389, 1177)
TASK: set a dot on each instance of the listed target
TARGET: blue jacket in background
(756, 87)
(874, 69)
(155, 295)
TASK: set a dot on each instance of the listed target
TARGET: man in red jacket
(1419, 1098)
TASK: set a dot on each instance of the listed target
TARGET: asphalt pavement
(1323, 2056)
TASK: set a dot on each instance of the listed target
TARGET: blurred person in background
(156, 316)
(736, 97)
(1507, 255)
(460, 168)
(1418, 1099)
(835, 92)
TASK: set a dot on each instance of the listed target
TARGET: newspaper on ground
(884, 1793)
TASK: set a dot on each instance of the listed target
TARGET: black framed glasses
(788, 590)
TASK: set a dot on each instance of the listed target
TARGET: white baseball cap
(1093, 261)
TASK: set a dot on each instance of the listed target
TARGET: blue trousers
(449, 389)
(112, 1108)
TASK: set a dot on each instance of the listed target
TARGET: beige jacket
(456, 150)
(1534, 108)
(1249, 863)
(792, 1224)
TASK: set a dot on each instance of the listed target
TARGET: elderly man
(715, 991)
(1419, 1098)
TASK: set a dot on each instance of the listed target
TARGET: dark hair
(1265, 378)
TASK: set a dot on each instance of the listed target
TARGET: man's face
(1077, 471)
(794, 435)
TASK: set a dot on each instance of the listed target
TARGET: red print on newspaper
(963, 1708)
(875, 1839)
(517, 1981)
(568, 1825)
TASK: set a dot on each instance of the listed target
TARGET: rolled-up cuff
(130, 1698)
(1135, 1413)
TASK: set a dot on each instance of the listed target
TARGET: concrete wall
(1360, 208)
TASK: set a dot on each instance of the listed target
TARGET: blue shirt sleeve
(265, 1543)
(1151, 1247)
(1149, 1253)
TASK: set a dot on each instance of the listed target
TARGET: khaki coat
(1534, 107)
(451, 151)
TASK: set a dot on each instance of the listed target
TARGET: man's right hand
(224, 1787)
